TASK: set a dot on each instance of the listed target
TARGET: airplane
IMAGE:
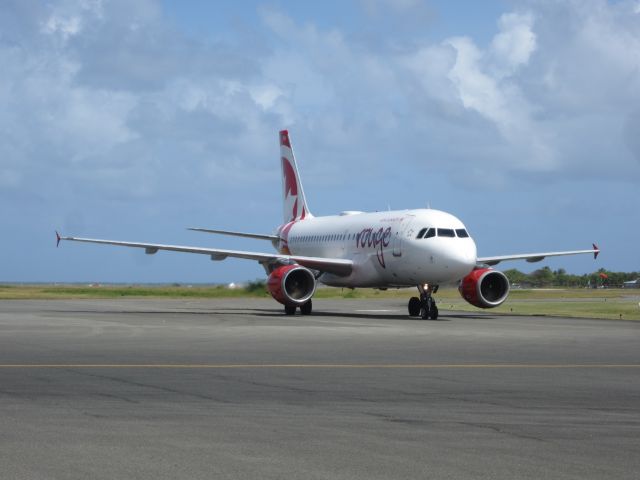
(421, 248)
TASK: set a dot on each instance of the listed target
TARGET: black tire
(414, 307)
(434, 313)
(289, 309)
(426, 307)
(305, 309)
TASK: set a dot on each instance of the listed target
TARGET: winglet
(596, 251)
(58, 238)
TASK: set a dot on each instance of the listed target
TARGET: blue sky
(134, 120)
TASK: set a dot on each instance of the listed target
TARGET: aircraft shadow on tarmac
(446, 317)
(351, 315)
(263, 312)
(386, 316)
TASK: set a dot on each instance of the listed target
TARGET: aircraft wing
(336, 266)
(535, 257)
(258, 236)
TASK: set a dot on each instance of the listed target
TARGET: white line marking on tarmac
(328, 366)
(381, 310)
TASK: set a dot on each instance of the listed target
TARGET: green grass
(577, 308)
(52, 292)
(582, 303)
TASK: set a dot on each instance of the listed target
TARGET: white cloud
(66, 27)
(104, 97)
(265, 95)
(113, 87)
(492, 93)
(68, 18)
(515, 43)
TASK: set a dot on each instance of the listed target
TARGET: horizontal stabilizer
(259, 236)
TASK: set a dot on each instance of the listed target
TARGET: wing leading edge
(330, 265)
(535, 257)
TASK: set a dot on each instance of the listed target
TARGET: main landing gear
(305, 309)
(425, 306)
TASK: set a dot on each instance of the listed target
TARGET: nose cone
(462, 259)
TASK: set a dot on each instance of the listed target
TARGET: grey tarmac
(159, 389)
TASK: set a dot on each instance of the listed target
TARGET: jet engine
(485, 288)
(291, 284)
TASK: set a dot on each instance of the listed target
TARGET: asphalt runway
(202, 389)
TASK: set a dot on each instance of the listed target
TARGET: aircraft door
(343, 242)
(399, 235)
(397, 244)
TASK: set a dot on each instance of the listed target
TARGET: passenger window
(421, 233)
(462, 233)
(446, 232)
(430, 233)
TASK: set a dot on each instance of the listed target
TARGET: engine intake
(485, 288)
(291, 284)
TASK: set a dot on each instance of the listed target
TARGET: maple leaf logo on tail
(294, 201)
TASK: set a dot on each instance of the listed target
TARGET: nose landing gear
(425, 306)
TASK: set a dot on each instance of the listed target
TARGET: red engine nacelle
(291, 284)
(485, 288)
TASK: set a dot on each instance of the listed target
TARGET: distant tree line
(545, 277)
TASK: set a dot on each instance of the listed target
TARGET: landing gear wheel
(289, 309)
(426, 303)
(414, 307)
(305, 309)
(429, 310)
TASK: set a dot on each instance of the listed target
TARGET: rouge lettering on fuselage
(376, 239)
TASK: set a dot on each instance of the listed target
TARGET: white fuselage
(385, 246)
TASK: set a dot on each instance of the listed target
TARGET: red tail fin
(294, 202)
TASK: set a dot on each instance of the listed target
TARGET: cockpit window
(430, 233)
(421, 233)
(462, 233)
(446, 232)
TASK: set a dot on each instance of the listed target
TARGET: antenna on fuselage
(428, 205)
